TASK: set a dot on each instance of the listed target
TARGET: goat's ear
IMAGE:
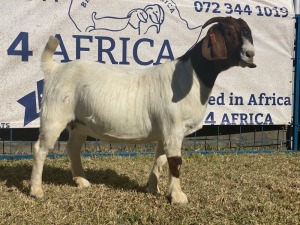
(213, 46)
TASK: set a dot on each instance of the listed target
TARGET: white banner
(137, 34)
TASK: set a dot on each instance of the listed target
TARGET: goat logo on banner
(142, 19)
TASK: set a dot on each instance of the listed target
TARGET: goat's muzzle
(251, 65)
(247, 56)
(250, 54)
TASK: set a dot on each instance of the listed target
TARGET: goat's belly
(124, 134)
(126, 139)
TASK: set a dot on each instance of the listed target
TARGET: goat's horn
(213, 20)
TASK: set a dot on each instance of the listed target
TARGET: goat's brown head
(231, 40)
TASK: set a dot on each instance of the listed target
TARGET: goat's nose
(250, 54)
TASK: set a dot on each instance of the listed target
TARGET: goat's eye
(227, 33)
(245, 32)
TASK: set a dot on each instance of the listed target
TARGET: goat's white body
(118, 105)
(161, 104)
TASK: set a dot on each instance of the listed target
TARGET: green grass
(222, 189)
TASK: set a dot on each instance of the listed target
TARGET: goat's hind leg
(48, 136)
(76, 140)
(160, 160)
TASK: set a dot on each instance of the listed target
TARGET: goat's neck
(206, 71)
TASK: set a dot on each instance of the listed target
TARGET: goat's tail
(47, 61)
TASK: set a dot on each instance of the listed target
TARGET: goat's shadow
(18, 176)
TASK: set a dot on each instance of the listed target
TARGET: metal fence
(18, 143)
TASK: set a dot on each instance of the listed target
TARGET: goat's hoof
(81, 182)
(178, 198)
(37, 192)
(152, 188)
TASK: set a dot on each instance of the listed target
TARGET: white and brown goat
(163, 103)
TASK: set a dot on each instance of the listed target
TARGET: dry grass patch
(222, 189)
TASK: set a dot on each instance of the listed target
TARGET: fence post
(297, 6)
(10, 140)
(297, 85)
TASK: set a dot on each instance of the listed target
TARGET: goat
(163, 103)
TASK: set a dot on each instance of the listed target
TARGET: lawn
(222, 189)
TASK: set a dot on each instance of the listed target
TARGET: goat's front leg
(160, 160)
(173, 152)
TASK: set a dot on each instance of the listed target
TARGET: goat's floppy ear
(213, 46)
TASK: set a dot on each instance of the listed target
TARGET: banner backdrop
(138, 34)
